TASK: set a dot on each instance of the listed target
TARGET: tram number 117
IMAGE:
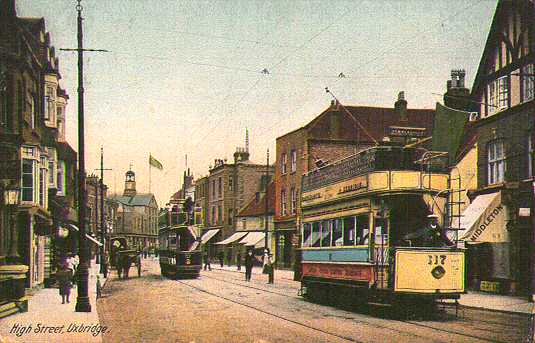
(436, 259)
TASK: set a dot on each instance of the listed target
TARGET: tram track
(409, 322)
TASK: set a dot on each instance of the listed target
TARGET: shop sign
(342, 189)
(398, 131)
(490, 286)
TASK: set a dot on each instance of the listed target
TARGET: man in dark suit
(248, 265)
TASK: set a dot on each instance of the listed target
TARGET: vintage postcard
(267, 171)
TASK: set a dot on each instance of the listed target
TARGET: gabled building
(338, 132)
(136, 215)
(503, 92)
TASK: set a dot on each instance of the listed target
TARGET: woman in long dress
(64, 277)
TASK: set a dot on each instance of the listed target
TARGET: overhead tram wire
(277, 64)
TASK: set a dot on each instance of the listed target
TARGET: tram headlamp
(438, 272)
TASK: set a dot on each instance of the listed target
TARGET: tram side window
(338, 233)
(316, 231)
(307, 234)
(326, 233)
(349, 231)
(362, 226)
(172, 240)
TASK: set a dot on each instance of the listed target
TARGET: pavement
(46, 314)
(472, 299)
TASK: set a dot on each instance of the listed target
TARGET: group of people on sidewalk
(268, 264)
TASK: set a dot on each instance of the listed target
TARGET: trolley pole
(102, 218)
(266, 208)
(82, 301)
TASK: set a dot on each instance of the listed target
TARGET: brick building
(331, 136)
(230, 186)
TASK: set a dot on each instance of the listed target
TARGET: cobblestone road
(221, 307)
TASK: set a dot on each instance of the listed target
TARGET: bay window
(29, 174)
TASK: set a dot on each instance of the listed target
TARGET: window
(496, 162)
(316, 232)
(326, 233)
(283, 163)
(337, 233)
(219, 215)
(528, 82)
(283, 202)
(529, 149)
(362, 225)
(28, 179)
(213, 188)
(220, 187)
(42, 181)
(498, 94)
(230, 183)
(349, 230)
(307, 232)
(212, 220)
(31, 107)
(293, 156)
(61, 178)
(229, 219)
(50, 101)
(293, 201)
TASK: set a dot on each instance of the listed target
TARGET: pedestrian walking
(220, 255)
(248, 265)
(138, 264)
(105, 266)
(270, 269)
(207, 262)
(64, 278)
(264, 261)
(238, 260)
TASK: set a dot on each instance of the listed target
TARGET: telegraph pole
(82, 301)
(266, 223)
(102, 219)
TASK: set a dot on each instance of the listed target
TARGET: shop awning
(233, 238)
(483, 220)
(208, 235)
(86, 235)
(253, 238)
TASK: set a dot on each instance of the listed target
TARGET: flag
(155, 163)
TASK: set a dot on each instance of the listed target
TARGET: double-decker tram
(179, 251)
(374, 229)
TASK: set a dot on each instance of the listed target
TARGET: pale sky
(184, 77)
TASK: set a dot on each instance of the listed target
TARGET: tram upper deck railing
(379, 158)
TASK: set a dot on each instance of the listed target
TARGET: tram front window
(362, 225)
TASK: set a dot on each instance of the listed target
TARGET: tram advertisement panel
(429, 271)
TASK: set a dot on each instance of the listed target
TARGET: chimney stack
(8, 8)
(457, 95)
(401, 106)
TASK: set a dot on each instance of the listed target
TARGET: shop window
(349, 231)
(496, 162)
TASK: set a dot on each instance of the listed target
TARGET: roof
(374, 119)
(255, 208)
(139, 199)
(468, 141)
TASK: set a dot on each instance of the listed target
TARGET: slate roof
(140, 199)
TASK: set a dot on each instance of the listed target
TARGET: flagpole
(150, 169)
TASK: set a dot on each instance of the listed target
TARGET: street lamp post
(266, 222)
(11, 200)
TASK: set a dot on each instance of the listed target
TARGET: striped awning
(233, 238)
(208, 235)
(253, 238)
